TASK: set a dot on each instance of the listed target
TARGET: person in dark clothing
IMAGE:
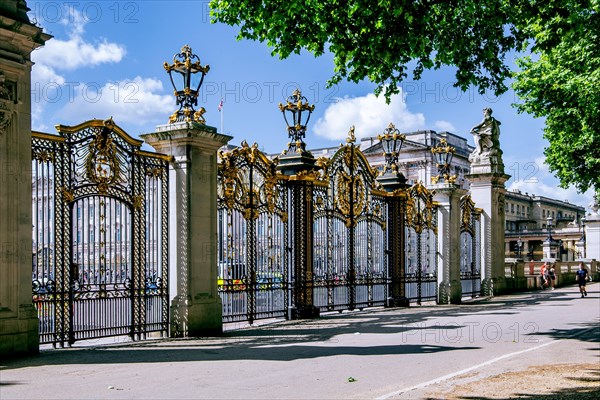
(582, 276)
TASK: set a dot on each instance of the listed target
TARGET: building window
(512, 208)
(544, 214)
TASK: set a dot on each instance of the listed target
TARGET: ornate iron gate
(100, 214)
(421, 245)
(350, 265)
(252, 236)
(470, 250)
(264, 243)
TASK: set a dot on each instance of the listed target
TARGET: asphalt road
(400, 353)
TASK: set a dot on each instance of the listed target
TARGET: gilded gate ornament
(468, 214)
(102, 165)
(350, 186)
(235, 188)
(420, 208)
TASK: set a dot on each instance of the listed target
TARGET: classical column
(487, 179)
(18, 317)
(196, 308)
(448, 196)
(592, 231)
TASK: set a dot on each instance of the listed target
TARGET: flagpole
(222, 132)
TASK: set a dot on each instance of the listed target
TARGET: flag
(221, 105)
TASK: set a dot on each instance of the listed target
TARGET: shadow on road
(199, 353)
(291, 340)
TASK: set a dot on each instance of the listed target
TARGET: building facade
(530, 219)
(527, 215)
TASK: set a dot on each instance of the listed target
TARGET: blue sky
(106, 59)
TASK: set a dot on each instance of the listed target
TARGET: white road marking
(464, 371)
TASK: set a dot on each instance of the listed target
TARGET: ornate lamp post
(549, 239)
(391, 141)
(187, 65)
(392, 181)
(581, 242)
(443, 154)
(297, 161)
(518, 247)
(296, 113)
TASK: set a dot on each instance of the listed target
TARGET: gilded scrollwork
(102, 165)
(248, 181)
(350, 199)
(468, 214)
(68, 196)
(42, 155)
(420, 209)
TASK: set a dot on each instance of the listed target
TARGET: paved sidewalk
(488, 349)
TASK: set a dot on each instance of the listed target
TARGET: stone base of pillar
(197, 320)
(399, 301)
(443, 292)
(450, 292)
(20, 335)
(455, 292)
(487, 287)
(499, 285)
(307, 312)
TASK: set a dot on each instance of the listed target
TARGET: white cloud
(369, 114)
(534, 178)
(42, 74)
(138, 102)
(57, 55)
(72, 53)
(444, 126)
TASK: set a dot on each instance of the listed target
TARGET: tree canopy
(561, 82)
(385, 40)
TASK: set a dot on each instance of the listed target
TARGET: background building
(527, 216)
(529, 220)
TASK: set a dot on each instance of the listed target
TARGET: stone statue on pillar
(487, 154)
(487, 189)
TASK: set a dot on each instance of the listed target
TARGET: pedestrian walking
(552, 276)
(582, 277)
(544, 275)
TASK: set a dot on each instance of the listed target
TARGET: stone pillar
(579, 249)
(487, 179)
(487, 191)
(196, 308)
(448, 197)
(18, 316)
(550, 250)
(592, 231)
(525, 251)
